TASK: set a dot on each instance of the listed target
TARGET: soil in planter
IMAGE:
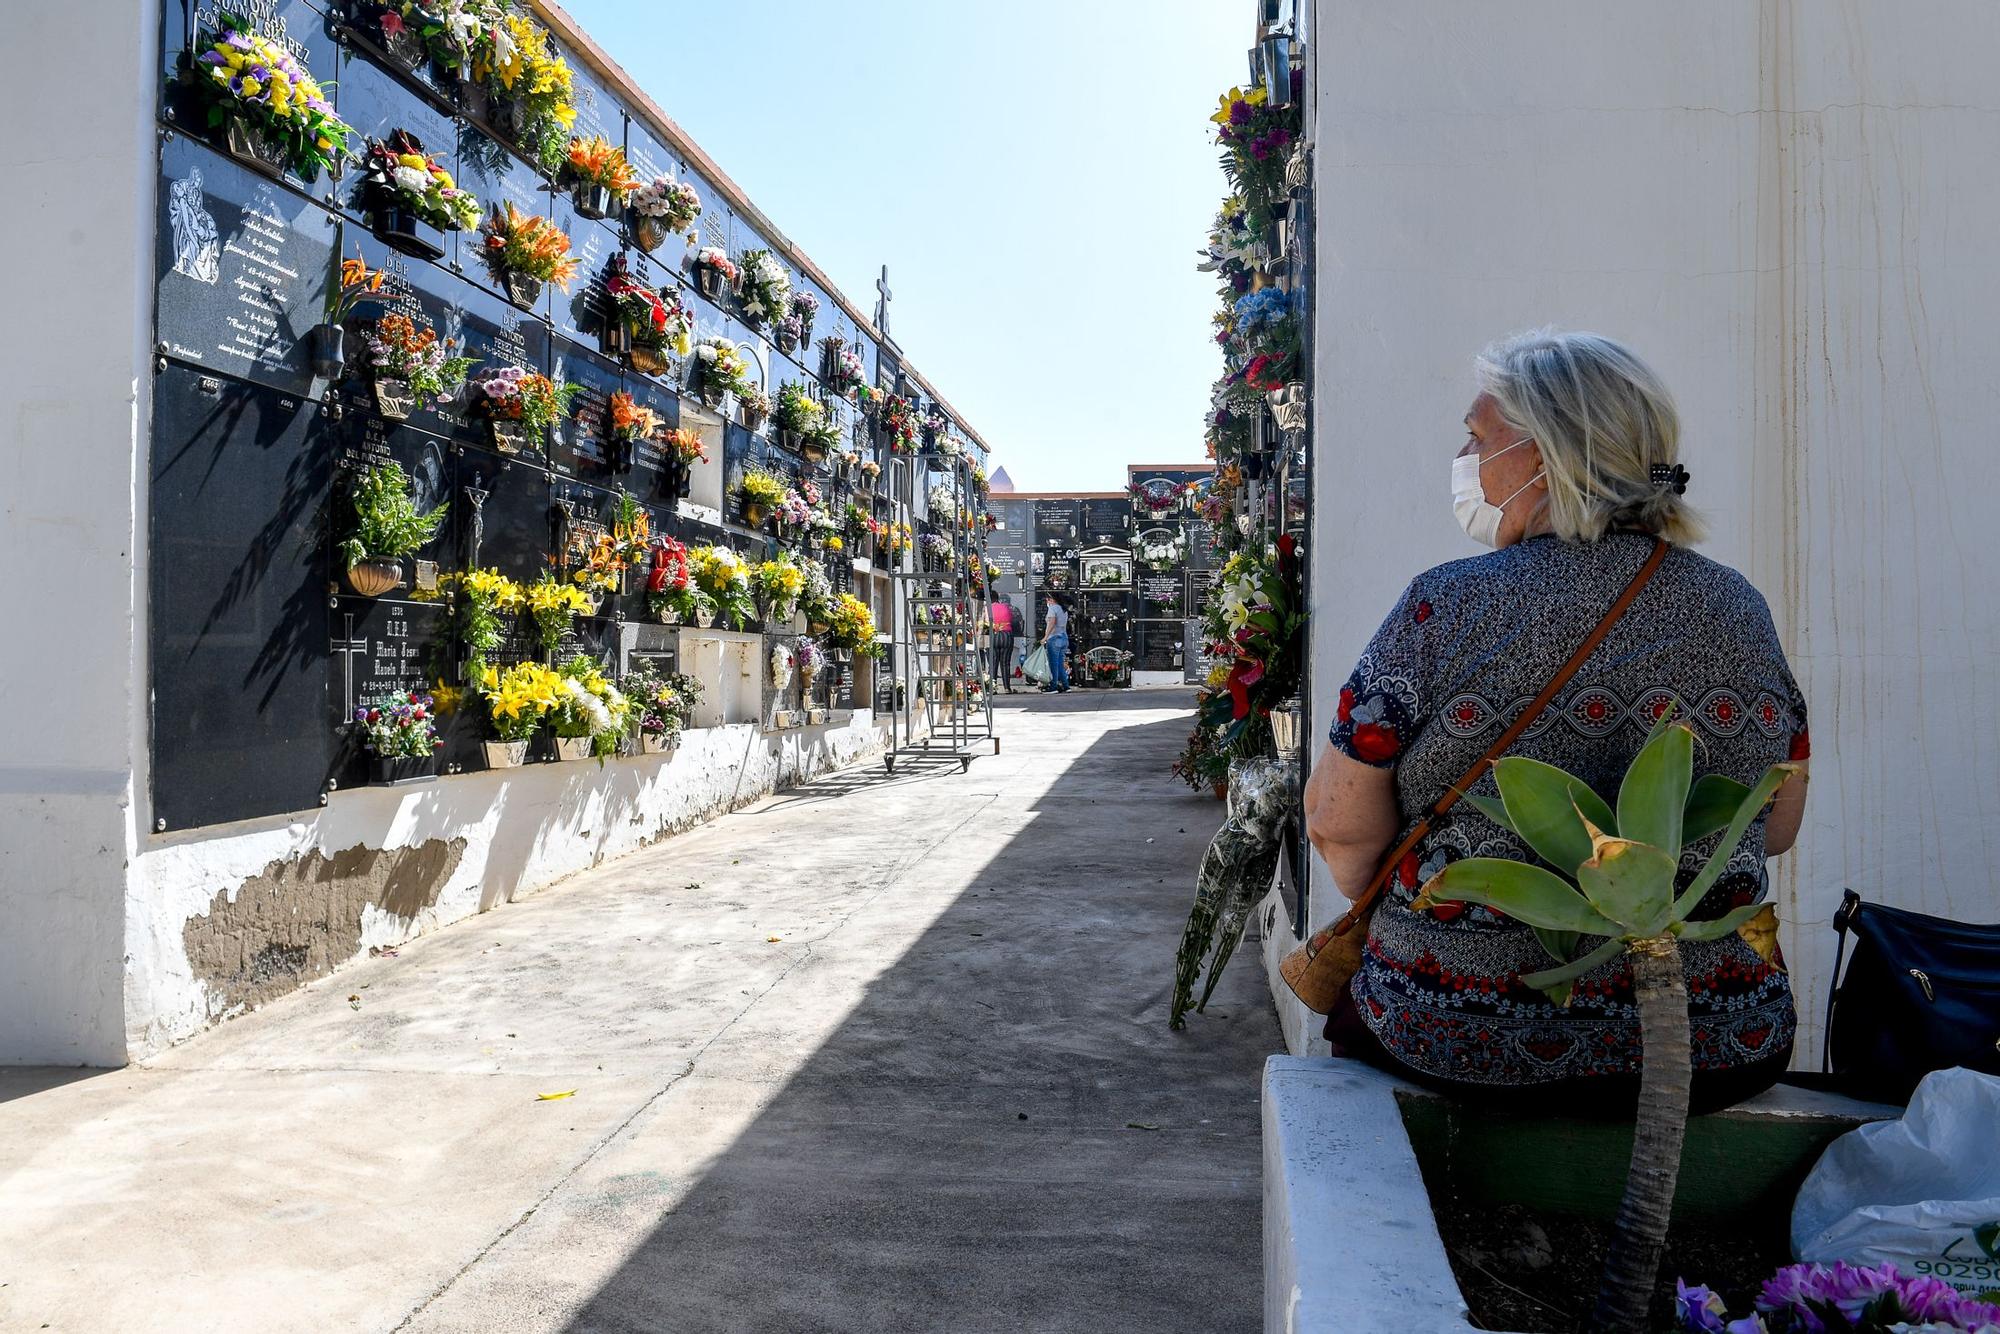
(1537, 1272)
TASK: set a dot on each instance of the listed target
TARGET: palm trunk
(1633, 1266)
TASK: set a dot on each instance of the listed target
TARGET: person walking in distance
(1004, 627)
(1055, 638)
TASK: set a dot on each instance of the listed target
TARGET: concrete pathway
(874, 1055)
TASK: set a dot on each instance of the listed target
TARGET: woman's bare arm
(1788, 810)
(1351, 817)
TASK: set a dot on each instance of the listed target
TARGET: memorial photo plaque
(243, 266)
(238, 604)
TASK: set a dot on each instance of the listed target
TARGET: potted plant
(667, 580)
(528, 87)
(767, 288)
(841, 367)
(800, 312)
(526, 252)
(274, 116)
(753, 405)
(870, 471)
(721, 574)
(795, 413)
(599, 176)
(762, 493)
(591, 714)
(650, 324)
(411, 367)
(358, 283)
(451, 34)
(387, 527)
(1615, 880)
(482, 598)
(850, 627)
(655, 709)
(899, 424)
(682, 449)
(518, 701)
(714, 273)
(553, 607)
(660, 208)
(410, 197)
(719, 369)
(518, 405)
(630, 424)
(777, 583)
(401, 738)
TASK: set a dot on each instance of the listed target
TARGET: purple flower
(1239, 113)
(1749, 1324)
(210, 57)
(1700, 1311)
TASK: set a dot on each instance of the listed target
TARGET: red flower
(1375, 742)
(392, 23)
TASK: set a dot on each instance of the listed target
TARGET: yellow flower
(412, 160)
(251, 87)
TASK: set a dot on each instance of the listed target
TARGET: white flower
(411, 179)
(587, 704)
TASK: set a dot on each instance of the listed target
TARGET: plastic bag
(1922, 1193)
(1036, 668)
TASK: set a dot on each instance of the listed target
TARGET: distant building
(1000, 483)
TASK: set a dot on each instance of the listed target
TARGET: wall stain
(300, 918)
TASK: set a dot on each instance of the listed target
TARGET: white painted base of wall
(522, 830)
(1157, 679)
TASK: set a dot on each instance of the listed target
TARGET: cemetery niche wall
(460, 351)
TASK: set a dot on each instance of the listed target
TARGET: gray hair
(1603, 420)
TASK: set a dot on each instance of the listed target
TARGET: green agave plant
(1618, 881)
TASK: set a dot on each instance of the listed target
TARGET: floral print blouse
(1467, 648)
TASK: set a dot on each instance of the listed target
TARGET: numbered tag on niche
(427, 575)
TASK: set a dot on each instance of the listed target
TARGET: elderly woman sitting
(1570, 471)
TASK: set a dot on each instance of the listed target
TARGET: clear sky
(1038, 176)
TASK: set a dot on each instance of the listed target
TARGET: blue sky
(1038, 177)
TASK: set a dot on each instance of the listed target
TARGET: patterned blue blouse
(1468, 647)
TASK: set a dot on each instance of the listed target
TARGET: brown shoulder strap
(1507, 738)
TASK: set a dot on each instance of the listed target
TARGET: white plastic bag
(1922, 1193)
(1036, 668)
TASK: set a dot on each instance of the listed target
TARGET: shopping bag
(1036, 668)
(1922, 1193)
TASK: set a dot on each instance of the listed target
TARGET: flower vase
(328, 351)
(509, 435)
(708, 281)
(648, 360)
(254, 150)
(614, 338)
(505, 754)
(812, 451)
(403, 230)
(401, 770)
(394, 399)
(591, 200)
(668, 614)
(752, 418)
(648, 233)
(674, 473)
(754, 514)
(373, 578)
(572, 748)
(473, 97)
(522, 290)
(786, 340)
(790, 440)
(656, 743)
(711, 393)
(704, 617)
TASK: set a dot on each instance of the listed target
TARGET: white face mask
(1476, 515)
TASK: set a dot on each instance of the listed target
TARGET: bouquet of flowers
(672, 204)
(816, 598)
(721, 573)
(855, 519)
(778, 583)
(804, 308)
(484, 596)
(897, 539)
(509, 393)
(753, 405)
(870, 469)
(657, 320)
(588, 705)
(388, 525)
(811, 659)
(401, 175)
(713, 271)
(721, 367)
(554, 607)
(794, 510)
(451, 32)
(762, 490)
(399, 350)
(767, 288)
(1163, 553)
(253, 82)
(1255, 137)
(797, 411)
(936, 551)
(399, 726)
(599, 162)
(844, 371)
(669, 581)
(1841, 1299)
(851, 626)
(685, 444)
(653, 700)
(1260, 615)
(519, 64)
(979, 480)
(899, 419)
(528, 245)
(518, 699)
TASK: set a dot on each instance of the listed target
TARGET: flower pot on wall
(649, 360)
(789, 440)
(614, 338)
(373, 578)
(667, 615)
(708, 281)
(394, 399)
(752, 417)
(254, 150)
(522, 290)
(657, 743)
(592, 200)
(401, 770)
(648, 234)
(704, 618)
(405, 231)
(571, 748)
(505, 754)
(754, 515)
(786, 340)
(328, 349)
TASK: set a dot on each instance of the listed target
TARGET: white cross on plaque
(347, 648)
(882, 304)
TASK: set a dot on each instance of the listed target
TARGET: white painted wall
(77, 231)
(1787, 207)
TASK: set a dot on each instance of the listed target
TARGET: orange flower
(600, 162)
(685, 441)
(530, 245)
(628, 418)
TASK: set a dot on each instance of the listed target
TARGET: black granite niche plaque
(1055, 523)
(1200, 544)
(1160, 596)
(376, 105)
(1107, 522)
(1195, 657)
(582, 311)
(428, 297)
(243, 269)
(238, 600)
(363, 442)
(381, 651)
(1160, 646)
(582, 437)
(503, 516)
(189, 27)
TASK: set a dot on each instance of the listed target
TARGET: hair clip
(1669, 477)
